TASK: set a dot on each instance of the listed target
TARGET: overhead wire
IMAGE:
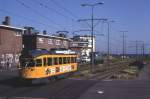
(74, 16)
(50, 8)
(65, 9)
(26, 18)
(36, 12)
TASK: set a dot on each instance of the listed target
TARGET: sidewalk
(121, 89)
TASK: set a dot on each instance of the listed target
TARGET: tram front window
(38, 62)
(27, 63)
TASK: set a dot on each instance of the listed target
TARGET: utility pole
(108, 40)
(92, 29)
(143, 50)
(123, 44)
(136, 47)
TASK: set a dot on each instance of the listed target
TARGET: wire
(25, 18)
(65, 9)
(49, 8)
(36, 12)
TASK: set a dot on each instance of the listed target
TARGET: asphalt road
(121, 89)
(11, 87)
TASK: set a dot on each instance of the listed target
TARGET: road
(121, 89)
(11, 87)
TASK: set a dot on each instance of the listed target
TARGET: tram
(36, 64)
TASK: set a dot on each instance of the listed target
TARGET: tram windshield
(27, 62)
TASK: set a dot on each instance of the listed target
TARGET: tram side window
(60, 60)
(73, 59)
(38, 62)
(64, 60)
(55, 61)
(68, 59)
(49, 61)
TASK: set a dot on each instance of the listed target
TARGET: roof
(83, 36)
(79, 42)
(11, 27)
(36, 53)
(53, 36)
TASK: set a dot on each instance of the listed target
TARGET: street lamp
(92, 28)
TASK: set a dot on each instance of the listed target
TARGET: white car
(86, 59)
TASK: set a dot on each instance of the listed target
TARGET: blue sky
(54, 15)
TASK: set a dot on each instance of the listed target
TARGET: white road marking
(100, 92)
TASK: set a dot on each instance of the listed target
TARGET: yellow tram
(43, 64)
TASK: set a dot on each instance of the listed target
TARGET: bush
(101, 61)
(139, 64)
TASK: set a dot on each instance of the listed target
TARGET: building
(10, 45)
(13, 40)
(42, 41)
(83, 46)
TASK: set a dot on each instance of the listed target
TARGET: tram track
(107, 70)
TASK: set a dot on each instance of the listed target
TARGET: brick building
(41, 41)
(14, 39)
(10, 45)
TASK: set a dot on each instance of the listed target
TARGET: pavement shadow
(18, 82)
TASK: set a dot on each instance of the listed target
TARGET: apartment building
(83, 46)
(42, 41)
(10, 43)
(14, 39)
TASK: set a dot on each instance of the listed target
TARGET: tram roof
(35, 53)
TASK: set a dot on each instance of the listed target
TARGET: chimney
(29, 30)
(44, 32)
(6, 21)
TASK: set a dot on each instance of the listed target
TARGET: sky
(63, 15)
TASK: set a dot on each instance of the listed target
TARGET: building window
(65, 43)
(18, 33)
(40, 40)
(57, 42)
(74, 44)
(50, 41)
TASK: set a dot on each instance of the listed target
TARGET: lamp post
(92, 29)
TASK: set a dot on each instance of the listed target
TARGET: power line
(50, 8)
(36, 12)
(137, 44)
(65, 9)
(74, 16)
(26, 18)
